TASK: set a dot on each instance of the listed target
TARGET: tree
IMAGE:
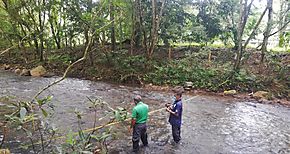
(207, 18)
(155, 25)
(268, 28)
(243, 17)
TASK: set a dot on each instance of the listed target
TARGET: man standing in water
(138, 123)
(175, 111)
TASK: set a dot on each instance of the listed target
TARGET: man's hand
(130, 130)
(167, 105)
(168, 109)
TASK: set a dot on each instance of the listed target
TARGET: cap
(138, 98)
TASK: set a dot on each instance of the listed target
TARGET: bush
(203, 77)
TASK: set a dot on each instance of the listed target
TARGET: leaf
(117, 115)
(23, 112)
(105, 136)
(82, 135)
(29, 133)
(49, 98)
(44, 112)
(70, 139)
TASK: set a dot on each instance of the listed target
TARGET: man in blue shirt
(175, 111)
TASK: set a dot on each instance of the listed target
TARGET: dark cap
(137, 98)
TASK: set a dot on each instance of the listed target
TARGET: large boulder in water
(38, 71)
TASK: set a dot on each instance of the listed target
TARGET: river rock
(261, 94)
(38, 71)
(25, 72)
(230, 92)
(6, 67)
(4, 151)
(188, 85)
(17, 71)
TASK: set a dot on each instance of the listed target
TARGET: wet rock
(4, 151)
(38, 71)
(6, 67)
(230, 92)
(25, 72)
(17, 71)
(49, 74)
(264, 101)
(188, 85)
(261, 95)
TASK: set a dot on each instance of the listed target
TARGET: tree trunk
(141, 22)
(243, 17)
(155, 26)
(112, 18)
(268, 29)
(137, 25)
(41, 29)
(51, 22)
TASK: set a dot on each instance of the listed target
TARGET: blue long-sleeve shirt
(177, 108)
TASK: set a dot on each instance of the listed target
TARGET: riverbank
(167, 89)
(208, 69)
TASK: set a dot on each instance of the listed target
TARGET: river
(211, 125)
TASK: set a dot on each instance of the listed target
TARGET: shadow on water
(210, 124)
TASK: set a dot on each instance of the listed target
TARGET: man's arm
(133, 122)
(171, 112)
(175, 113)
(134, 116)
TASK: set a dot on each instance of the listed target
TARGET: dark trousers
(139, 131)
(176, 133)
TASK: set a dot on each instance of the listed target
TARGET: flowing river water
(211, 125)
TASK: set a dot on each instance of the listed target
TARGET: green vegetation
(216, 44)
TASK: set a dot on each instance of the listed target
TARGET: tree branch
(280, 29)
(274, 33)
(255, 28)
(67, 69)
(76, 62)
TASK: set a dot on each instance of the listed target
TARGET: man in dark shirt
(175, 111)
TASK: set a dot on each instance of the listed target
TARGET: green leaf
(70, 139)
(82, 135)
(44, 112)
(117, 115)
(29, 133)
(103, 137)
